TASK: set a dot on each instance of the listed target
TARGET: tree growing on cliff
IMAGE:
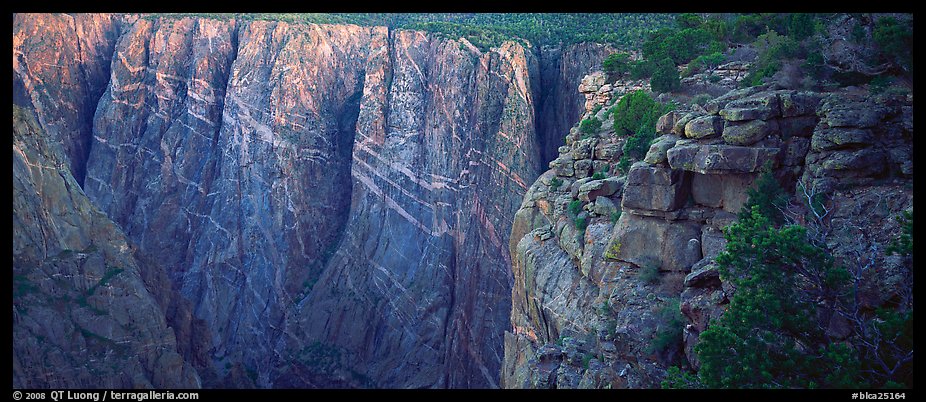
(788, 288)
(769, 336)
(767, 195)
(665, 77)
(616, 63)
(635, 116)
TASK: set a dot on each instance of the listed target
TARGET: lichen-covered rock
(656, 155)
(703, 275)
(715, 105)
(592, 82)
(825, 139)
(583, 168)
(721, 159)
(607, 151)
(667, 122)
(761, 106)
(582, 149)
(749, 132)
(604, 207)
(842, 111)
(704, 127)
(798, 103)
(680, 123)
(563, 166)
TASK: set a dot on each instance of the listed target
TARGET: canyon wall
(321, 205)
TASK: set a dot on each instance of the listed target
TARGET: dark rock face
(424, 247)
(560, 106)
(82, 314)
(332, 202)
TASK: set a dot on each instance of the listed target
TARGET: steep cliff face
(82, 314)
(60, 69)
(560, 106)
(332, 202)
(616, 303)
(438, 150)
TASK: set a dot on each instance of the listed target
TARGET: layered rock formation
(332, 202)
(598, 306)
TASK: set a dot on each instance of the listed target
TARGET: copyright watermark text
(102, 396)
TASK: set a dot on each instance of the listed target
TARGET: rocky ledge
(607, 265)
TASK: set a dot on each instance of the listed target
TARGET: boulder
(825, 139)
(604, 206)
(608, 151)
(601, 166)
(656, 188)
(838, 111)
(704, 127)
(747, 133)
(764, 106)
(582, 149)
(657, 151)
(864, 162)
(699, 306)
(637, 239)
(712, 242)
(798, 103)
(563, 166)
(703, 274)
(721, 191)
(606, 187)
(722, 219)
(679, 127)
(721, 159)
(583, 168)
(591, 83)
(576, 185)
(715, 105)
(666, 122)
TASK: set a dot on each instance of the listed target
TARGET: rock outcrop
(83, 314)
(331, 201)
(597, 290)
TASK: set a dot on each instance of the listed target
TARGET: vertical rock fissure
(79, 167)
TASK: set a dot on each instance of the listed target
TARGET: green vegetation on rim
(486, 30)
